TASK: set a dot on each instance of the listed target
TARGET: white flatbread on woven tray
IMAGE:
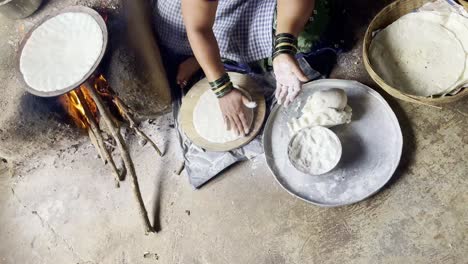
(422, 53)
(458, 25)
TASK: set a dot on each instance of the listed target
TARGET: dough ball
(331, 98)
(328, 117)
(326, 108)
(315, 150)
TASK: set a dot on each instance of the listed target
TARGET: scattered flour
(315, 150)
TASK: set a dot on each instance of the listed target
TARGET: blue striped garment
(243, 28)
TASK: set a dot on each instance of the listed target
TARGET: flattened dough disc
(191, 99)
(62, 51)
(209, 122)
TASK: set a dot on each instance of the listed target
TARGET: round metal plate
(372, 147)
(77, 9)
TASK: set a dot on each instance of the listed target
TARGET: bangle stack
(285, 43)
(222, 86)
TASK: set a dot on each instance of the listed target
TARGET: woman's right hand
(235, 112)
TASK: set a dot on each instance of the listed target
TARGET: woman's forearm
(199, 16)
(293, 15)
(205, 49)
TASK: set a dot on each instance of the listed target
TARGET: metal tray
(74, 9)
(372, 147)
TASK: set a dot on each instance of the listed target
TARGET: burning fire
(75, 107)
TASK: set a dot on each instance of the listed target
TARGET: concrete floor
(61, 206)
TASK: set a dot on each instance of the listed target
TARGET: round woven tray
(387, 16)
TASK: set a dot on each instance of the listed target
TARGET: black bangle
(285, 43)
(222, 86)
(285, 40)
(221, 81)
(285, 35)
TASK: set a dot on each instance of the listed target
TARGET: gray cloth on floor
(201, 165)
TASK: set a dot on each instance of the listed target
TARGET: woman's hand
(288, 78)
(236, 115)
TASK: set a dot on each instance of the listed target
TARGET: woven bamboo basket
(387, 16)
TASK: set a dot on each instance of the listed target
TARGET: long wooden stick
(128, 114)
(94, 141)
(115, 131)
(99, 140)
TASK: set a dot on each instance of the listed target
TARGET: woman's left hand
(288, 78)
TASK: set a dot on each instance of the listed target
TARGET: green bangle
(220, 82)
(225, 90)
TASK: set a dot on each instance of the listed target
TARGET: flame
(75, 107)
(102, 86)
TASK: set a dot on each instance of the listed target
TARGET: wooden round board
(191, 99)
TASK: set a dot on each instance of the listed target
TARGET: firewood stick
(109, 144)
(95, 144)
(147, 138)
(127, 114)
(118, 174)
(115, 131)
(97, 134)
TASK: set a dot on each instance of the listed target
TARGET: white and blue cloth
(243, 28)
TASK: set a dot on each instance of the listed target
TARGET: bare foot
(186, 71)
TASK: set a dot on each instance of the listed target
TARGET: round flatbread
(209, 122)
(418, 56)
(61, 51)
(456, 24)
